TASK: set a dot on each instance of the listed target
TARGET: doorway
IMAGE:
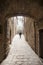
(41, 42)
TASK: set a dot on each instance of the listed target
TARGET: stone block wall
(29, 29)
(38, 26)
(1, 49)
(2, 52)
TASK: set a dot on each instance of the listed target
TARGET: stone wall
(1, 49)
(5, 38)
(38, 26)
(1, 40)
(29, 28)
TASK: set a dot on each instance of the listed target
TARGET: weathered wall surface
(1, 40)
(32, 33)
(29, 27)
(1, 49)
(38, 26)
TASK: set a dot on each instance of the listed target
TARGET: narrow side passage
(21, 53)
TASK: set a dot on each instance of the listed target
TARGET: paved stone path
(21, 53)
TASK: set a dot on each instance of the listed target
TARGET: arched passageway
(31, 8)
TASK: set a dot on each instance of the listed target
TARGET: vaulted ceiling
(30, 8)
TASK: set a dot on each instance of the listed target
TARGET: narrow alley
(21, 53)
(21, 32)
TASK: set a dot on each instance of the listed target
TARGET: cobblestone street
(21, 53)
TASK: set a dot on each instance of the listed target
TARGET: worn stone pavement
(21, 53)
